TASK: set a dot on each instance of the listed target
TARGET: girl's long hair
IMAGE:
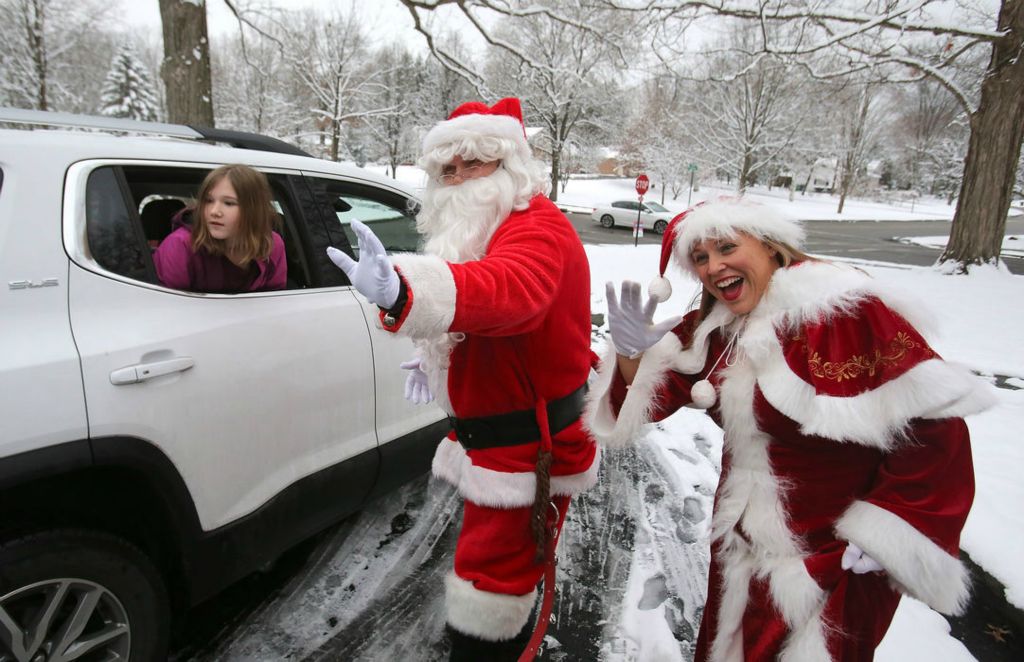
(257, 218)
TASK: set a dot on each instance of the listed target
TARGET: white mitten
(372, 276)
(417, 390)
(856, 560)
(631, 323)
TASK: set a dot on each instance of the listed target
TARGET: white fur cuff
(502, 489)
(920, 566)
(487, 616)
(617, 431)
(432, 290)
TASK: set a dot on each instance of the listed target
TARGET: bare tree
(403, 79)
(861, 129)
(256, 90)
(53, 53)
(331, 57)
(752, 112)
(186, 66)
(894, 40)
(903, 41)
(567, 83)
(658, 138)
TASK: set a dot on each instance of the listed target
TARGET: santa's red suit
(841, 424)
(522, 315)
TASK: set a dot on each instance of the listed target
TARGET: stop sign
(642, 184)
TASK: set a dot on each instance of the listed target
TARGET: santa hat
(714, 220)
(473, 119)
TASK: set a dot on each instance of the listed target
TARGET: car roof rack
(240, 139)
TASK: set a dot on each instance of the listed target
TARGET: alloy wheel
(60, 620)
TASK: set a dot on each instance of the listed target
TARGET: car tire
(660, 226)
(103, 583)
(607, 221)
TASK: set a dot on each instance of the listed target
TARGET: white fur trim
(816, 291)
(724, 218)
(500, 489)
(433, 292)
(640, 399)
(932, 389)
(751, 497)
(500, 126)
(485, 615)
(923, 569)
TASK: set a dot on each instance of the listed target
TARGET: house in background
(609, 162)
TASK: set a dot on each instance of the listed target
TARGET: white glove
(856, 560)
(417, 391)
(372, 276)
(631, 325)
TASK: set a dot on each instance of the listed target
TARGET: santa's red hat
(473, 119)
(714, 220)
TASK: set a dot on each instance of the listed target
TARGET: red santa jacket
(841, 424)
(501, 334)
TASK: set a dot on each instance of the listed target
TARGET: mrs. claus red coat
(841, 424)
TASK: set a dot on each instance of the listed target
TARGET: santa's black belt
(517, 427)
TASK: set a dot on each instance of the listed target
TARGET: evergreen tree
(128, 91)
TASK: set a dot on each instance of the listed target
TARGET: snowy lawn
(980, 328)
(585, 194)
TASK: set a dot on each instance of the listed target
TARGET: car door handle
(141, 372)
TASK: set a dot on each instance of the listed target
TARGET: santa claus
(846, 470)
(499, 307)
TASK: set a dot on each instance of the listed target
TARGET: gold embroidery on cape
(859, 364)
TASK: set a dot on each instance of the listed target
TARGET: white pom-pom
(703, 394)
(660, 289)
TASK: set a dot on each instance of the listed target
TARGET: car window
(391, 216)
(619, 205)
(159, 193)
(632, 206)
(113, 231)
(656, 208)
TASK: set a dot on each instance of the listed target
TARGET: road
(371, 587)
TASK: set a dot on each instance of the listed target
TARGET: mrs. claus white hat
(474, 119)
(715, 220)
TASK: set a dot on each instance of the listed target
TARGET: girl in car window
(225, 243)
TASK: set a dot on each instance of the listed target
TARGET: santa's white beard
(458, 221)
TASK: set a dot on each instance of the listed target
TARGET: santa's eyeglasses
(451, 174)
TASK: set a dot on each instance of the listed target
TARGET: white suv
(157, 445)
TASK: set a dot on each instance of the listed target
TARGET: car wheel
(71, 594)
(659, 227)
(607, 221)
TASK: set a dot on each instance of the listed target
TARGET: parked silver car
(623, 212)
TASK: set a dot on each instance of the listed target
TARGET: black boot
(466, 648)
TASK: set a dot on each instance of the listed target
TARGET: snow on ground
(979, 328)
(1013, 244)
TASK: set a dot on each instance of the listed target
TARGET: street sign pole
(637, 228)
(642, 184)
(692, 168)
